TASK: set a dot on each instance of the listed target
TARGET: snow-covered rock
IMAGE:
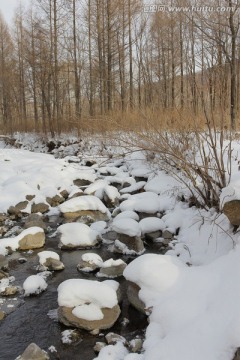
(89, 262)
(146, 202)
(77, 235)
(86, 205)
(50, 260)
(112, 268)
(31, 238)
(34, 285)
(86, 304)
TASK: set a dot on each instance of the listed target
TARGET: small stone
(10, 291)
(33, 352)
(40, 207)
(81, 182)
(99, 346)
(113, 338)
(30, 197)
(3, 262)
(167, 235)
(32, 241)
(22, 260)
(53, 264)
(3, 275)
(135, 345)
(34, 220)
(2, 315)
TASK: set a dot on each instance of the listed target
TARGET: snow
(126, 226)
(112, 352)
(92, 258)
(75, 292)
(99, 226)
(26, 173)
(77, 234)
(127, 214)
(34, 284)
(84, 202)
(150, 224)
(147, 202)
(89, 312)
(133, 187)
(111, 262)
(187, 306)
(44, 255)
(96, 185)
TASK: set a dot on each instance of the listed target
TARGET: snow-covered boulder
(151, 227)
(33, 351)
(128, 236)
(87, 207)
(112, 268)
(89, 262)
(77, 235)
(50, 260)
(34, 285)
(32, 238)
(86, 304)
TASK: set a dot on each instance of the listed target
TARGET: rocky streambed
(118, 236)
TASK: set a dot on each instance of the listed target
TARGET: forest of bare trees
(74, 64)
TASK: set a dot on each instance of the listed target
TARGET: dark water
(30, 322)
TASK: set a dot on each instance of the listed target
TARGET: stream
(28, 320)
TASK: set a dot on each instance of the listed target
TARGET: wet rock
(113, 338)
(99, 346)
(133, 243)
(3, 263)
(133, 298)
(87, 266)
(3, 275)
(22, 260)
(10, 291)
(2, 315)
(114, 270)
(232, 210)
(34, 220)
(66, 317)
(153, 235)
(53, 264)
(167, 235)
(32, 241)
(33, 352)
(40, 207)
(135, 345)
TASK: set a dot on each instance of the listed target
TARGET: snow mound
(126, 226)
(34, 285)
(75, 292)
(88, 312)
(147, 202)
(151, 224)
(77, 234)
(129, 214)
(92, 258)
(85, 202)
(44, 255)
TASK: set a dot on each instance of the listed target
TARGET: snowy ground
(193, 290)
